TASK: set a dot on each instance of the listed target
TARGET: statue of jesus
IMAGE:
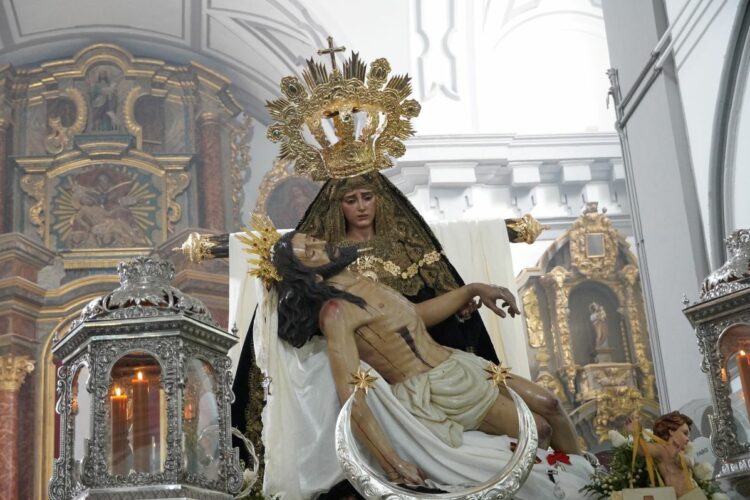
(443, 388)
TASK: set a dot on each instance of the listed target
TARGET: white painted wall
(700, 52)
(741, 178)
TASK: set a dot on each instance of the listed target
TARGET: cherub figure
(671, 437)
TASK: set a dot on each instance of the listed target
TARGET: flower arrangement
(605, 482)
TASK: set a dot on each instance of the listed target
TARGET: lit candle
(154, 422)
(743, 367)
(119, 414)
(141, 435)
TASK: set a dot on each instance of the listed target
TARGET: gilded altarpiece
(586, 328)
(104, 156)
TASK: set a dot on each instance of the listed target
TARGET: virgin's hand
(490, 294)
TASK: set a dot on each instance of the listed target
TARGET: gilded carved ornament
(282, 169)
(197, 247)
(534, 325)
(239, 161)
(527, 229)
(613, 375)
(630, 274)
(128, 114)
(61, 137)
(13, 371)
(614, 402)
(560, 290)
(34, 185)
(176, 183)
(593, 245)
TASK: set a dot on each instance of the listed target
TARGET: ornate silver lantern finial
(735, 273)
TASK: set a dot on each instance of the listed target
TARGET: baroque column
(210, 178)
(13, 371)
(555, 280)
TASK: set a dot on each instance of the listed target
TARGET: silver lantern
(144, 395)
(722, 321)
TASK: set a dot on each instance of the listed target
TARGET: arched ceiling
(253, 42)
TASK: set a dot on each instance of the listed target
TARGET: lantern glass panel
(80, 409)
(137, 416)
(201, 429)
(738, 372)
(734, 346)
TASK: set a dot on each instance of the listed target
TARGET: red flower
(558, 456)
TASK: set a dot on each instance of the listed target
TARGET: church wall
(672, 253)
(700, 55)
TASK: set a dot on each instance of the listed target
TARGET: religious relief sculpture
(104, 207)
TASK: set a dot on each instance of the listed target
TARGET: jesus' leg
(542, 402)
(501, 419)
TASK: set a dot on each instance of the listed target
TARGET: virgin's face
(359, 208)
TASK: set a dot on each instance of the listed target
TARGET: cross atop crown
(332, 51)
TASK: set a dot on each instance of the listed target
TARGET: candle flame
(140, 375)
(742, 353)
(117, 391)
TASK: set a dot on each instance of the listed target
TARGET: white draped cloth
(302, 407)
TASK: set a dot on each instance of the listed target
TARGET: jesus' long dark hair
(300, 296)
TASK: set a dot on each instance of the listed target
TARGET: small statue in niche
(598, 320)
(598, 317)
(103, 95)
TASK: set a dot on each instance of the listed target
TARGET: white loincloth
(452, 397)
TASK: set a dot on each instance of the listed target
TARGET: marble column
(210, 178)
(13, 371)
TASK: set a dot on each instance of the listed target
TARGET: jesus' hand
(400, 471)
(490, 294)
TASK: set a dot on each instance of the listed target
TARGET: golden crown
(260, 242)
(344, 123)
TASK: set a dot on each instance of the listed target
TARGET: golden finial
(332, 51)
(527, 228)
(499, 374)
(197, 247)
(259, 239)
(362, 379)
